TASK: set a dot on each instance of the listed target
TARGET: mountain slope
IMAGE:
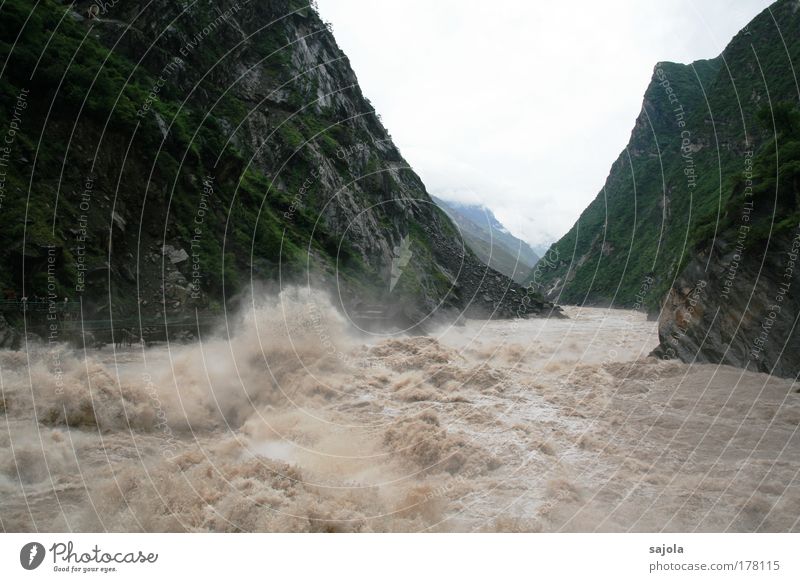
(166, 157)
(667, 190)
(699, 218)
(490, 240)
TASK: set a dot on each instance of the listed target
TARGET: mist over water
(288, 420)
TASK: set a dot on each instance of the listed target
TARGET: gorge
(231, 305)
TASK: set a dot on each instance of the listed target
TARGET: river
(286, 420)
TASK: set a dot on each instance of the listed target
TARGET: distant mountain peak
(490, 239)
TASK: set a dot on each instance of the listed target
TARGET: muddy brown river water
(293, 423)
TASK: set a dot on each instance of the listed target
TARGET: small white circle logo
(31, 555)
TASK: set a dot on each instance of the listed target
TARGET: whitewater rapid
(287, 420)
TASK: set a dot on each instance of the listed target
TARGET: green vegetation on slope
(666, 191)
(175, 127)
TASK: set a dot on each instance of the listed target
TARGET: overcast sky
(521, 105)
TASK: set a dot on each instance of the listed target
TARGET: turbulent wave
(286, 420)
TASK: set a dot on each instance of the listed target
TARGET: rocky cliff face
(667, 190)
(753, 326)
(168, 156)
(738, 301)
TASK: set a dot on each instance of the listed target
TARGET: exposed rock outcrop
(754, 325)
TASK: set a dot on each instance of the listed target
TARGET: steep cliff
(698, 220)
(668, 188)
(738, 301)
(630, 239)
(166, 156)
